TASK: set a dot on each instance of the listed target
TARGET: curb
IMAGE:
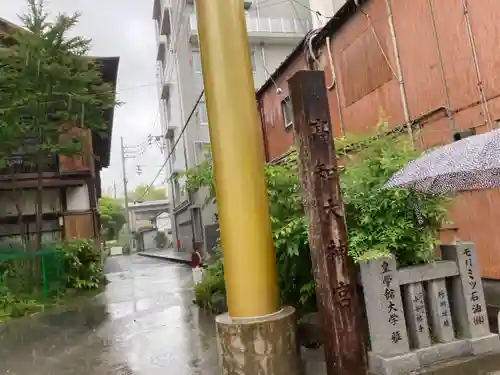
(167, 258)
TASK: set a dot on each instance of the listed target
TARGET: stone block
(442, 352)
(259, 346)
(437, 270)
(397, 365)
(484, 345)
(384, 307)
(467, 295)
(416, 315)
(439, 311)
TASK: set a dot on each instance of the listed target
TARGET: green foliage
(198, 177)
(379, 221)
(384, 221)
(31, 282)
(213, 287)
(82, 264)
(161, 240)
(143, 193)
(49, 85)
(112, 217)
(12, 306)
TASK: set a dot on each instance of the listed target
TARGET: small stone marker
(468, 304)
(416, 316)
(439, 309)
(384, 307)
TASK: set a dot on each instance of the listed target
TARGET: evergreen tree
(50, 86)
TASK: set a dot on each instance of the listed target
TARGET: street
(143, 324)
(148, 326)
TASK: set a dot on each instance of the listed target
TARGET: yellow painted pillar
(238, 156)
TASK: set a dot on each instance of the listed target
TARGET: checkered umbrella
(472, 163)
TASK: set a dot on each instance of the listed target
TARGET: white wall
(77, 198)
(327, 8)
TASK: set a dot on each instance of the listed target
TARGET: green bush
(161, 240)
(379, 221)
(82, 264)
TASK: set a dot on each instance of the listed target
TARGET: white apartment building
(274, 27)
(323, 10)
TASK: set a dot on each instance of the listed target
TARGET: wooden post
(336, 282)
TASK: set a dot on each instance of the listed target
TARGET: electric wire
(167, 159)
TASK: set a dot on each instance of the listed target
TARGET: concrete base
(259, 346)
(425, 357)
(484, 345)
(400, 364)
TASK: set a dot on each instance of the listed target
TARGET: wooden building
(431, 63)
(71, 185)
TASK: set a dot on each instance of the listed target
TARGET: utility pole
(245, 229)
(114, 189)
(334, 272)
(125, 191)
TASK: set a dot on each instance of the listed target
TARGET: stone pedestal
(259, 346)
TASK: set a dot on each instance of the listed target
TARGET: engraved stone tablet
(384, 307)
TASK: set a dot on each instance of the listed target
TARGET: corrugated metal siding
(277, 138)
(368, 94)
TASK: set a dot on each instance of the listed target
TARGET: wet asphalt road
(143, 324)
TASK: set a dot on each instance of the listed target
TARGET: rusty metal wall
(277, 139)
(439, 74)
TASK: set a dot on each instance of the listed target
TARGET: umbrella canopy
(472, 163)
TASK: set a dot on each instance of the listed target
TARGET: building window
(202, 113)
(168, 110)
(286, 108)
(196, 61)
(254, 61)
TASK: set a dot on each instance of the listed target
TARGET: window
(202, 113)
(196, 61)
(286, 108)
(254, 61)
(168, 110)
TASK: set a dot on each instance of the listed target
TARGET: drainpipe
(404, 99)
(480, 85)
(441, 68)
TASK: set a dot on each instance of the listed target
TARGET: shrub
(161, 240)
(82, 264)
(379, 221)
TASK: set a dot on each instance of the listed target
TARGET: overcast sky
(121, 28)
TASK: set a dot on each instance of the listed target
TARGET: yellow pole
(238, 157)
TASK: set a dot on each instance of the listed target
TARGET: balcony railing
(263, 25)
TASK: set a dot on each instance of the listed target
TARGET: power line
(146, 191)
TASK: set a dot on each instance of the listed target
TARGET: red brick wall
(368, 90)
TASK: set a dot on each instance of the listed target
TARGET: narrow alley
(143, 324)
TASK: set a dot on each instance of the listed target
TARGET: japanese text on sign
(477, 308)
(444, 308)
(390, 294)
(419, 304)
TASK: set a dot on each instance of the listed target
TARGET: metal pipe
(238, 160)
(441, 68)
(404, 99)
(480, 85)
(334, 85)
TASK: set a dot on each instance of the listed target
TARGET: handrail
(266, 24)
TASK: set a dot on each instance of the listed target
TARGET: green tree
(112, 217)
(380, 221)
(49, 87)
(143, 193)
